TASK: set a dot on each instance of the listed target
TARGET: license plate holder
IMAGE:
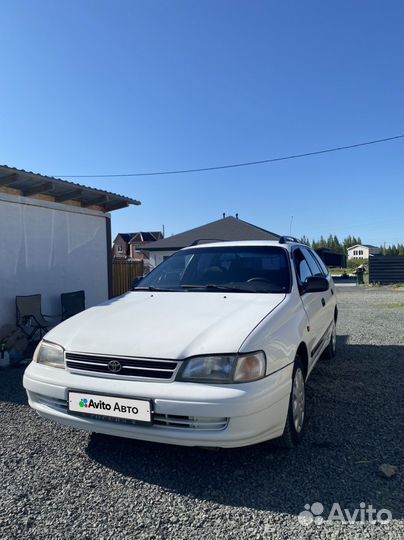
(110, 407)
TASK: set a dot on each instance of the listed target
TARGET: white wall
(361, 252)
(50, 248)
(157, 257)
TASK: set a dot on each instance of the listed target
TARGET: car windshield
(252, 269)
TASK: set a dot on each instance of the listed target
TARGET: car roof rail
(285, 239)
(204, 241)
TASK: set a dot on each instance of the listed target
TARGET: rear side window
(317, 258)
(314, 267)
(302, 267)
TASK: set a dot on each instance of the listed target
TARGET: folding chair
(72, 303)
(29, 316)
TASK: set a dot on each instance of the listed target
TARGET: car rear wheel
(295, 420)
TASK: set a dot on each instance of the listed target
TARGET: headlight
(50, 355)
(224, 368)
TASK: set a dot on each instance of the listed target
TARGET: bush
(354, 263)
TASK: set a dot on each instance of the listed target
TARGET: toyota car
(212, 348)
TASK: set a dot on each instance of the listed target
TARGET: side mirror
(316, 284)
(136, 282)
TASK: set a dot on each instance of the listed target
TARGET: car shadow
(354, 424)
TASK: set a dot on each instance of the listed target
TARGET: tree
(305, 240)
(333, 243)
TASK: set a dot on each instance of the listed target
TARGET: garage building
(55, 237)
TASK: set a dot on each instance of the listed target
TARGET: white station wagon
(212, 348)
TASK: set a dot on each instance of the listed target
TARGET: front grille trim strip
(132, 367)
(83, 356)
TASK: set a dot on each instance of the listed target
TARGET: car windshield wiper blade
(151, 289)
(212, 286)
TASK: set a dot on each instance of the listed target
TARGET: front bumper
(188, 414)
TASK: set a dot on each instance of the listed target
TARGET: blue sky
(98, 86)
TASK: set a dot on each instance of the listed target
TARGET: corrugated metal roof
(31, 183)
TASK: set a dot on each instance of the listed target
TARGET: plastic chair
(72, 303)
(29, 315)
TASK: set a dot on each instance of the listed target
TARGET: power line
(234, 165)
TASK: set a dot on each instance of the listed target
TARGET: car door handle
(323, 301)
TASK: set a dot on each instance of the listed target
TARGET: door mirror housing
(315, 284)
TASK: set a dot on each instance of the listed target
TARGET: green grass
(340, 271)
(349, 271)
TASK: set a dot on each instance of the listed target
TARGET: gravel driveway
(57, 483)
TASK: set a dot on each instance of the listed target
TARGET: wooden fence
(123, 273)
(386, 270)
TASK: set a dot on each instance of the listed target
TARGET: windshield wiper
(151, 289)
(213, 287)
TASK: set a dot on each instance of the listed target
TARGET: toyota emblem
(114, 366)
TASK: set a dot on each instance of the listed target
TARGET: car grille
(171, 421)
(149, 368)
(54, 403)
(190, 422)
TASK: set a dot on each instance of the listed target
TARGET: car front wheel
(295, 420)
(331, 350)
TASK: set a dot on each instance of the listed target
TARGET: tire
(331, 350)
(295, 420)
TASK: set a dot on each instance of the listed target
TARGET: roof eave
(33, 184)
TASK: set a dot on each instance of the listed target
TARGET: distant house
(362, 251)
(127, 245)
(139, 239)
(226, 229)
(120, 249)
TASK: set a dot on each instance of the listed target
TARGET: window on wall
(120, 248)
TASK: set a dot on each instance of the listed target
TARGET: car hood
(171, 325)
